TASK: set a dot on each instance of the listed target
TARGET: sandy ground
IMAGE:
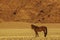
(23, 31)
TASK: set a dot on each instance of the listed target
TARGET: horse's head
(32, 26)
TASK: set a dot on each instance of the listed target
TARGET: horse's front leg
(36, 34)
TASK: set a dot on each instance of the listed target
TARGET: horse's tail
(45, 31)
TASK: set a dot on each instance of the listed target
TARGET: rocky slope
(43, 11)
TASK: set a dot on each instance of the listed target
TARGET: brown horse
(39, 29)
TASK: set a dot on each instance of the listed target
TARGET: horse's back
(42, 27)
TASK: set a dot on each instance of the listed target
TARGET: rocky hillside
(43, 11)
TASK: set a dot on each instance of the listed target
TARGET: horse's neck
(36, 27)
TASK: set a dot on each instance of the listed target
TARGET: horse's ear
(32, 24)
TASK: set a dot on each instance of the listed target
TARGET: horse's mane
(37, 26)
(34, 26)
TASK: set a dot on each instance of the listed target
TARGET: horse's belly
(39, 30)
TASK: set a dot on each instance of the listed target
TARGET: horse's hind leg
(45, 33)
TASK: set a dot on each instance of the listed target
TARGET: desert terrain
(16, 17)
(38, 11)
(23, 31)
